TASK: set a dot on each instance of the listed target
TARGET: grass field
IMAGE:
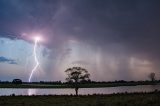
(90, 85)
(32, 86)
(134, 99)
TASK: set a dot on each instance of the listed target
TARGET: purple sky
(113, 40)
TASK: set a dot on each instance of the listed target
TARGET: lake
(82, 91)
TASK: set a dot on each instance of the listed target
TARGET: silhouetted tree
(17, 81)
(75, 75)
(152, 76)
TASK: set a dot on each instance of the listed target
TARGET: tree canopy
(75, 75)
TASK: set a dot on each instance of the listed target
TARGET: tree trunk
(76, 89)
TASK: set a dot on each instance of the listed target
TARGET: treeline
(86, 82)
(123, 81)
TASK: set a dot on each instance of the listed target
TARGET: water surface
(82, 91)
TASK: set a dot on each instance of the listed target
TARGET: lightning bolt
(35, 58)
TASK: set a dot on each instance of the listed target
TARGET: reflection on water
(82, 91)
(49, 91)
(32, 91)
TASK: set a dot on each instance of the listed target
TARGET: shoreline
(96, 94)
(62, 86)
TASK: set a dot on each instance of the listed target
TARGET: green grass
(136, 99)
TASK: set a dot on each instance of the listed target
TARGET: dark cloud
(132, 23)
(128, 28)
(6, 60)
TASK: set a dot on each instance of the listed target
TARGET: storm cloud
(107, 37)
(6, 60)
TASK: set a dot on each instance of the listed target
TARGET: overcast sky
(112, 39)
